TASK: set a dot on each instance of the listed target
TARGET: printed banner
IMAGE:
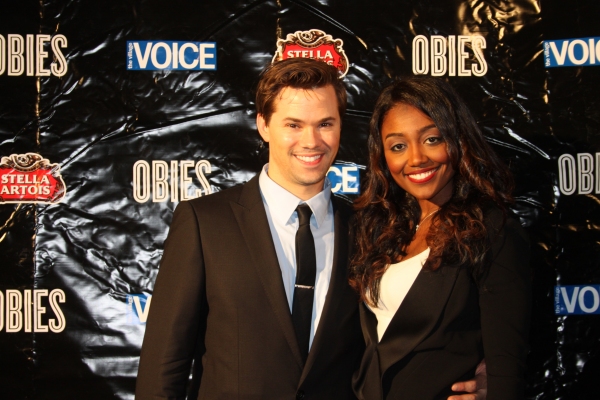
(113, 112)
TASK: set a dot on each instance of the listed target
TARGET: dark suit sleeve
(505, 301)
(177, 313)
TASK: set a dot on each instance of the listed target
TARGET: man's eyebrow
(291, 119)
(327, 119)
(297, 120)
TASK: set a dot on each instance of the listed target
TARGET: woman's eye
(434, 139)
(398, 147)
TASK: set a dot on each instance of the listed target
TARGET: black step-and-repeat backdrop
(113, 111)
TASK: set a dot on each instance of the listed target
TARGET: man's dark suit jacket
(447, 322)
(219, 300)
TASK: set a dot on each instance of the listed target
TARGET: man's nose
(310, 137)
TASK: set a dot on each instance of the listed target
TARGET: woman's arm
(505, 303)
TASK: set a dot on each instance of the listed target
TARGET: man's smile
(309, 159)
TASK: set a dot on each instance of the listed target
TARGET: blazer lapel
(417, 315)
(252, 219)
(363, 381)
(338, 304)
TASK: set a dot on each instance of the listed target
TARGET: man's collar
(282, 203)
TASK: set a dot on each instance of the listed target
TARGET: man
(233, 294)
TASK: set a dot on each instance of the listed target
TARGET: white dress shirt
(280, 206)
(395, 284)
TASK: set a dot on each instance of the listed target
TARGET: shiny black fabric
(99, 244)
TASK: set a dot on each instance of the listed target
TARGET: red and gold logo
(314, 44)
(30, 178)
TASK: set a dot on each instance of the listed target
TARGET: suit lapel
(252, 219)
(367, 387)
(417, 315)
(337, 302)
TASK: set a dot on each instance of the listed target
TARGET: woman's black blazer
(447, 323)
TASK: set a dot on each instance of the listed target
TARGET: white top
(395, 284)
(280, 206)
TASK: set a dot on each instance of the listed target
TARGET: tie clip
(304, 287)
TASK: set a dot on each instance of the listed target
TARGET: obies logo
(577, 299)
(581, 175)
(27, 310)
(344, 178)
(314, 44)
(572, 52)
(29, 178)
(455, 55)
(176, 56)
(29, 55)
(162, 180)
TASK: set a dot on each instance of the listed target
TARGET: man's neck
(303, 192)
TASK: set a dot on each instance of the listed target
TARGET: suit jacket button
(299, 395)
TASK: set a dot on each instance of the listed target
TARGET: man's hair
(296, 73)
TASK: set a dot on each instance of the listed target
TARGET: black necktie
(306, 271)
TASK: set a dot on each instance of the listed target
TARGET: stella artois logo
(314, 44)
(30, 178)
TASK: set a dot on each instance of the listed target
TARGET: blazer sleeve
(505, 304)
(177, 316)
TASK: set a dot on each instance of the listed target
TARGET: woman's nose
(416, 156)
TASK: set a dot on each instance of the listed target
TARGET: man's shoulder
(222, 198)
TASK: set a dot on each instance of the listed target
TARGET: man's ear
(262, 127)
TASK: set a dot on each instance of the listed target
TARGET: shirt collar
(282, 203)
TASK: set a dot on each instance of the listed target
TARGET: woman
(440, 266)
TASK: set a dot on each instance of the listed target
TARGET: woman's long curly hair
(387, 216)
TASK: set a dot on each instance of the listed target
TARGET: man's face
(304, 136)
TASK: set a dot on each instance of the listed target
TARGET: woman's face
(417, 155)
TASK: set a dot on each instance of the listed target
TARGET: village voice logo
(572, 52)
(345, 178)
(314, 44)
(171, 55)
(30, 178)
(138, 306)
(577, 299)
